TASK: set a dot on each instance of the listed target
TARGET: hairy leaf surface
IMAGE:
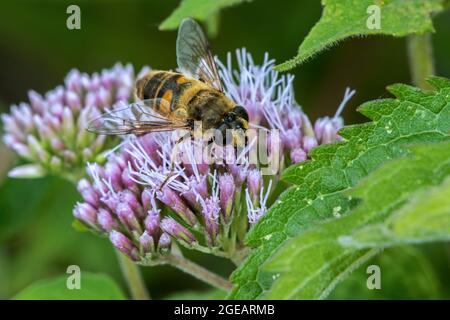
(321, 184)
(342, 19)
(313, 263)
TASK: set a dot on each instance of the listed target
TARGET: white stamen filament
(347, 96)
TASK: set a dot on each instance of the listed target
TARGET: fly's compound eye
(230, 117)
(240, 112)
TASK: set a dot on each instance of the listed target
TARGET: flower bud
(27, 171)
(36, 101)
(291, 138)
(55, 164)
(298, 155)
(326, 129)
(146, 243)
(37, 149)
(239, 173)
(87, 214)
(255, 182)
(196, 187)
(152, 222)
(68, 125)
(114, 173)
(128, 197)
(88, 192)
(176, 230)
(121, 242)
(309, 142)
(73, 100)
(127, 181)
(57, 144)
(51, 129)
(210, 210)
(106, 221)
(127, 216)
(147, 199)
(73, 81)
(226, 194)
(171, 199)
(164, 243)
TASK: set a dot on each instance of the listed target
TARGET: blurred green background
(37, 50)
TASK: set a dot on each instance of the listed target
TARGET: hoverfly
(171, 100)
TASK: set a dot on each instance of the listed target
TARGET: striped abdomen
(187, 98)
(162, 85)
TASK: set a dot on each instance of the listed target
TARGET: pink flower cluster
(137, 195)
(49, 131)
(146, 202)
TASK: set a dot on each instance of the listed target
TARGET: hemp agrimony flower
(156, 193)
(49, 130)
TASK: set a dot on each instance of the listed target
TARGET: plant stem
(197, 271)
(133, 277)
(421, 63)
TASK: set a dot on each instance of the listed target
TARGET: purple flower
(164, 243)
(227, 189)
(309, 142)
(257, 208)
(146, 242)
(117, 205)
(153, 220)
(87, 214)
(177, 231)
(298, 155)
(153, 192)
(210, 208)
(156, 191)
(269, 100)
(254, 182)
(326, 128)
(174, 201)
(106, 220)
(49, 130)
(124, 244)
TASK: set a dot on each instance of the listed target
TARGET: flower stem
(133, 277)
(421, 63)
(130, 270)
(197, 271)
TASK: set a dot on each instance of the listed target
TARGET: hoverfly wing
(135, 118)
(194, 56)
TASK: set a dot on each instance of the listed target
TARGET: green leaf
(202, 10)
(16, 213)
(320, 184)
(420, 281)
(424, 218)
(212, 24)
(310, 265)
(44, 217)
(93, 286)
(342, 19)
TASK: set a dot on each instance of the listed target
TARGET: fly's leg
(173, 157)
